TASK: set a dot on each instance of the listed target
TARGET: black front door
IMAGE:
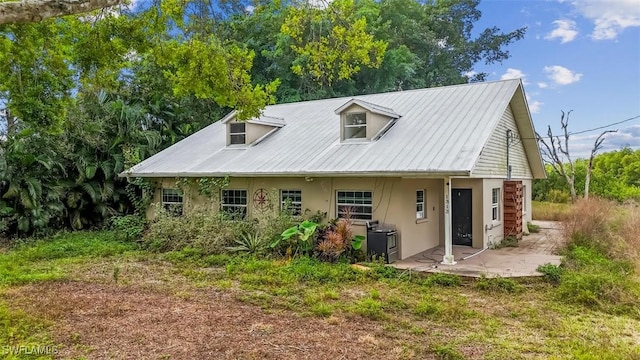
(461, 216)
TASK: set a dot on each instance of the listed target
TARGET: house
(444, 166)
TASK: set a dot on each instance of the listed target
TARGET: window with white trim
(237, 133)
(495, 204)
(420, 201)
(358, 204)
(234, 203)
(355, 125)
(172, 201)
(291, 201)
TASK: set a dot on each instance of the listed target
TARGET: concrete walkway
(533, 250)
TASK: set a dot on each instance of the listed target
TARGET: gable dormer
(250, 132)
(362, 121)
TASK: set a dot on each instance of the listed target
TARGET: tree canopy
(84, 96)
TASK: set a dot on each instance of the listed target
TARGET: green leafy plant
(251, 243)
(131, 226)
(533, 228)
(300, 236)
(552, 273)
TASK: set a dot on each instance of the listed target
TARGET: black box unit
(382, 242)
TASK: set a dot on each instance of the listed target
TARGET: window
(495, 204)
(237, 133)
(172, 201)
(291, 200)
(420, 200)
(355, 125)
(234, 203)
(358, 204)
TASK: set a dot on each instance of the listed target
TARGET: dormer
(363, 121)
(250, 132)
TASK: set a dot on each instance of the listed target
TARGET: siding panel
(493, 160)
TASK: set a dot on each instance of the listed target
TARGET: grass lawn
(88, 295)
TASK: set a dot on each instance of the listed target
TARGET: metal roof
(441, 131)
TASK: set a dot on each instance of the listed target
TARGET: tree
(555, 152)
(29, 11)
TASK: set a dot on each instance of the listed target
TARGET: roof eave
(426, 174)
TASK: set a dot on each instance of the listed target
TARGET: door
(461, 216)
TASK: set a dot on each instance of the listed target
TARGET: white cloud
(581, 145)
(470, 73)
(561, 75)
(514, 74)
(565, 31)
(610, 18)
(534, 106)
(543, 85)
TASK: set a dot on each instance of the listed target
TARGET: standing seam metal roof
(441, 130)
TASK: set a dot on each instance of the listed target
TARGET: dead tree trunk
(28, 11)
(555, 152)
(596, 146)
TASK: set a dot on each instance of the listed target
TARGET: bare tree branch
(28, 11)
(554, 153)
(597, 145)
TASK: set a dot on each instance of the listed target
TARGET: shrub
(603, 225)
(129, 226)
(533, 228)
(202, 230)
(337, 238)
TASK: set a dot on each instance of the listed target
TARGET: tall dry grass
(543, 210)
(611, 228)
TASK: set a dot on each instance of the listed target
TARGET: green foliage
(508, 241)
(443, 279)
(533, 228)
(18, 328)
(130, 226)
(298, 238)
(86, 100)
(552, 273)
(447, 352)
(210, 233)
(498, 285)
(251, 243)
(369, 308)
(33, 261)
(615, 176)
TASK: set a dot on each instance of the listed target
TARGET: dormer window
(355, 125)
(237, 133)
(362, 121)
(250, 132)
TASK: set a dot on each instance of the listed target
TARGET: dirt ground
(99, 321)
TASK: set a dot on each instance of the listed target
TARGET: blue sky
(576, 55)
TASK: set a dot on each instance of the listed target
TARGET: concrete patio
(533, 250)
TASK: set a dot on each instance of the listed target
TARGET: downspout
(508, 144)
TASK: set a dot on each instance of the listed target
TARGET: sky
(581, 55)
